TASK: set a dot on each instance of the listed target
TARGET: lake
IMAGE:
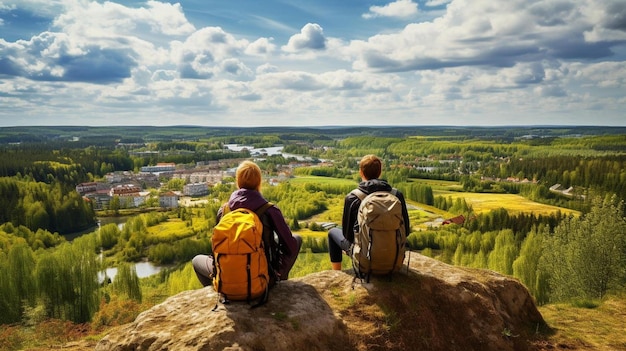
(143, 269)
(269, 151)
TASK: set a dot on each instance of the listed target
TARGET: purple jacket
(252, 199)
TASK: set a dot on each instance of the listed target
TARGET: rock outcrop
(431, 306)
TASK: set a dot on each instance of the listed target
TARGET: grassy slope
(580, 328)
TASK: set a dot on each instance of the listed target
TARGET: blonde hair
(248, 176)
(370, 167)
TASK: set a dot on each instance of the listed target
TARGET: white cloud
(432, 3)
(465, 64)
(266, 68)
(608, 18)
(46, 8)
(235, 69)
(311, 37)
(300, 81)
(57, 57)
(483, 32)
(93, 20)
(399, 8)
(203, 52)
(261, 47)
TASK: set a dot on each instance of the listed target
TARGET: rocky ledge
(430, 306)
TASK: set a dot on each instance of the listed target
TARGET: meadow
(513, 203)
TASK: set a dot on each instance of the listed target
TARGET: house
(459, 220)
(196, 189)
(99, 199)
(86, 188)
(160, 168)
(125, 190)
(118, 177)
(169, 200)
(211, 176)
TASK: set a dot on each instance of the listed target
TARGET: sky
(313, 63)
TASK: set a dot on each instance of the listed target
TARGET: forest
(573, 249)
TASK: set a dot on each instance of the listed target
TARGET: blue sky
(313, 63)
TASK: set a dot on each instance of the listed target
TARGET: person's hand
(349, 251)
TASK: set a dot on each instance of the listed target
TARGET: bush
(116, 312)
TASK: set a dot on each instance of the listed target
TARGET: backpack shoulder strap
(270, 246)
(359, 193)
(261, 210)
(225, 209)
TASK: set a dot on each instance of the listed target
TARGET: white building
(169, 200)
(196, 189)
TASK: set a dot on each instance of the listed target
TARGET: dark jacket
(252, 199)
(352, 202)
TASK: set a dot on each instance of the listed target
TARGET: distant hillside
(96, 135)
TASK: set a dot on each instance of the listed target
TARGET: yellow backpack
(241, 270)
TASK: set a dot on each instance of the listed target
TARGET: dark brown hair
(370, 167)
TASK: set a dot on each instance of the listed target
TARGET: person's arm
(350, 210)
(405, 214)
(220, 213)
(288, 243)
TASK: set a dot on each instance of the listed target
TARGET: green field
(436, 184)
(322, 180)
(424, 214)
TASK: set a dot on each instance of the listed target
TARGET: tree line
(44, 206)
(564, 258)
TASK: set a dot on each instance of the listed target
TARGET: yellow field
(482, 202)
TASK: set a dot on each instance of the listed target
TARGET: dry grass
(580, 328)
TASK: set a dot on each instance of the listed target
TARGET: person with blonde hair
(341, 240)
(248, 195)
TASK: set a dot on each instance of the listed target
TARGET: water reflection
(143, 269)
(119, 220)
(269, 151)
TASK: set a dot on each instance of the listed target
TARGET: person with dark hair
(341, 240)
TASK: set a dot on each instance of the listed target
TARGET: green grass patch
(305, 232)
(436, 184)
(175, 228)
(309, 262)
(322, 180)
